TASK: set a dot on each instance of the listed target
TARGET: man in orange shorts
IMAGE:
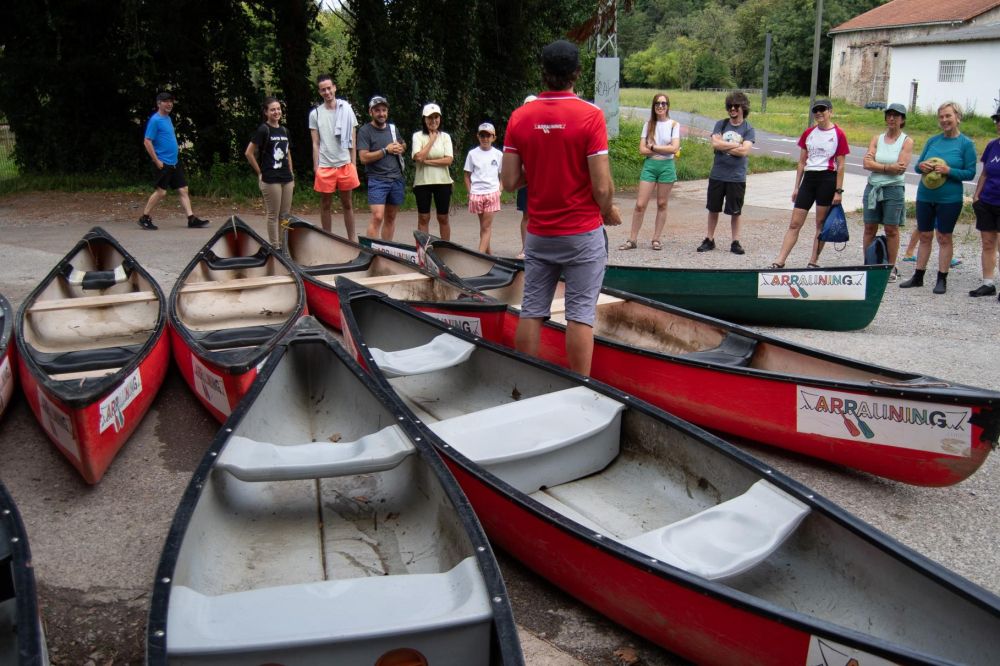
(334, 129)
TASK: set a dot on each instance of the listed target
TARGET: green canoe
(834, 299)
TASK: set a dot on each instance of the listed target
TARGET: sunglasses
(733, 106)
(484, 135)
(820, 109)
(661, 104)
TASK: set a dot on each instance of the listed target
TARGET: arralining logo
(548, 128)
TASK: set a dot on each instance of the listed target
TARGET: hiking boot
(736, 248)
(984, 290)
(942, 283)
(146, 222)
(706, 245)
(195, 222)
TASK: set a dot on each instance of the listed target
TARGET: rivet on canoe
(213, 453)
(6, 512)
(15, 539)
(159, 633)
(400, 418)
(417, 439)
(229, 429)
(165, 579)
(767, 471)
(497, 599)
(481, 549)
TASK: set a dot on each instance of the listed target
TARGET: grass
(788, 115)
(695, 162)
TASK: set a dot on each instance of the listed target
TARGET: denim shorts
(891, 210)
(381, 191)
(579, 258)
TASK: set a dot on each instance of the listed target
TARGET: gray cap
(896, 107)
(376, 100)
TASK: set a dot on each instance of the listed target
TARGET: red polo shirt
(554, 136)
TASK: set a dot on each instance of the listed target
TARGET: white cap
(431, 109)
(530, 98)
(488, 127)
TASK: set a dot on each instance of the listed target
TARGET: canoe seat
(85, 360)
(442, 352)
(499, 276)
(541, 441)
(452, 605)
(734, 350)
(241, 336)
(358, 263)
(251, 460)
(729, 538)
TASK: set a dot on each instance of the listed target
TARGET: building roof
(899, 13)
(975, 33)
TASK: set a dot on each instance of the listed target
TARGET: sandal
(812, 265)
(777, 265)
(628, 245)
(657, 245)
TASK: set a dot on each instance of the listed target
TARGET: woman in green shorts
(659, 143)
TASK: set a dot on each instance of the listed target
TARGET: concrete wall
(978, 90)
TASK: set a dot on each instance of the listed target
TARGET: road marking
(780, 152)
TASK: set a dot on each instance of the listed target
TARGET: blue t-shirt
(959, 153)
(160, 130)
(991, 172)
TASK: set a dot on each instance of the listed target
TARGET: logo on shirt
(548, 128)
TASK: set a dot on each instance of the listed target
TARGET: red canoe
(7, 359)
(899, 425)
(93, 350)
(236, 299)
(657, 524)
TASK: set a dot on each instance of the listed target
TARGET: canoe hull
(91, 435)
(22, 639)
(806, 298)
(8, 358)
(216, 387)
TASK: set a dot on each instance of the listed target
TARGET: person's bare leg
(924, 249)
(713, 222)
(662, 200)
(641, 201)
(989, 254)
(444, 226)
(892, 243)
(911, 247)
(347, 203)
(154, 199)
(579, 347)
(945, 250)
(326, 211)
(791, 235)
(182, 192)
(817, 248)
(869, 237)
(485, 232)
(734, 225)
(389, 222)
(528, 336)
(424, 222)
(375, 223)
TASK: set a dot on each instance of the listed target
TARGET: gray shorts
(579, 258)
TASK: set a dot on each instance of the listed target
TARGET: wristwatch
(839, 190)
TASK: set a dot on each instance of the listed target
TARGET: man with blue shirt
(161, 145)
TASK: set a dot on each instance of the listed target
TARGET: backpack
(877, 252)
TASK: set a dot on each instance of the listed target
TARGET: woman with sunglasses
(947, 159)
(819, 179)
(659, 142)
(986, 205)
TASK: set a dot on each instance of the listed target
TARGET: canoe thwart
(86, 360)
(217, 263)
(729, 538)
(98, 279)
(442, 352)
(359, 263)
(250, 460)
(541, 441)
(735, 350)
(92, 301)
(236, 283)
(454, 606)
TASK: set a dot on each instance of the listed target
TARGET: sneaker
(911, 259)
(146, 222)
(954, 262)
(893, 274)
(706, 245)
(736, 248)
(983, 290)
(195, 222)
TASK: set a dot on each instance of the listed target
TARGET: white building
(960, 65)
(864, 52)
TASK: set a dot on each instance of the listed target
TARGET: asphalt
(95, 548)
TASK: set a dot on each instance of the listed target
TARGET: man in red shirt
(558, 146)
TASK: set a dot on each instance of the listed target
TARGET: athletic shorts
(733, 193)
(658, 171)
(890, 211)
(579, 258)
(484, 203)
(987, 216)
(330, 179)
(386, 192)
(171, 176)
(817, 187)
(522, 199)
(939, 216)
(441, 195)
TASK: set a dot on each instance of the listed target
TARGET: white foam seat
(729, 538)
(444, 351)
(541, 441)
(326, 612)
(250, 460)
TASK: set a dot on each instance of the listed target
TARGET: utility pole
(815, 71)
(767, 72)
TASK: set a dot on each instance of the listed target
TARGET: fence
(7, 167)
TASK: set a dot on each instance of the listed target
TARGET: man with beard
(381, 151)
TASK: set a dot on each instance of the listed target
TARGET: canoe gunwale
(30, 637)
(307, 331)
(250, 356)
(949, 580)
(71, 393)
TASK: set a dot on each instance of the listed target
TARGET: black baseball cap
(164, 96)
(822, 104)
(561, 58)
(996, 116)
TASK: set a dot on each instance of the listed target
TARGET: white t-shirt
(666, 132)
(484, 169)
(332, 151)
